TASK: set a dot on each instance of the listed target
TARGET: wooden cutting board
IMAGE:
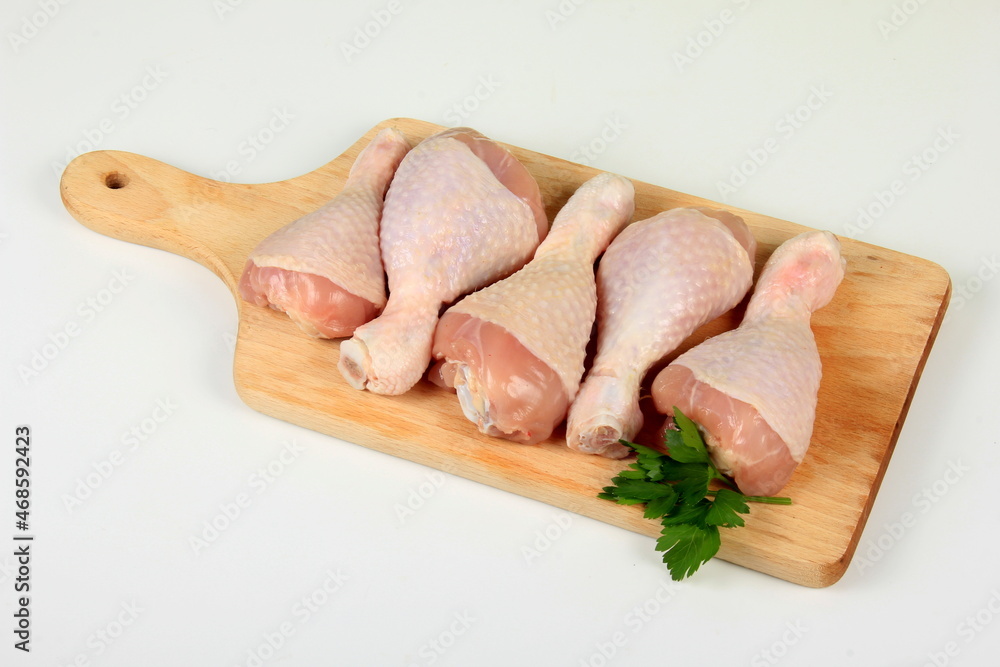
(874, 338)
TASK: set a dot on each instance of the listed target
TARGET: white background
(551, 78)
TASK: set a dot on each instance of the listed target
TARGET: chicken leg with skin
(753, 390)
(324, 270)
(460, 214)
(514, 351)
(661, 279)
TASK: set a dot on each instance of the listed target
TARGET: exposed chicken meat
(503, 388)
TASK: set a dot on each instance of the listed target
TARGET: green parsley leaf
(648, 460)
(643, 451)
(640, 489)
(686, 547)
(659, 507)
(693, 485)
(726, 509)
(687, 513)
(685, 445)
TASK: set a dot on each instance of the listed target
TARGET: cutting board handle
(142, 200)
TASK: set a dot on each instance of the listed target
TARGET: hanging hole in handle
(115, 180)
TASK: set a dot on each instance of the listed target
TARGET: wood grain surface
(873, 337)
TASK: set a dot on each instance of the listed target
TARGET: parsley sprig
(674, 487)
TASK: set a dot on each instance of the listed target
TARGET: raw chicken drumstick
(753, 390)
(460, 214)
(514, 351)
(324, 269)
(661, 279)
